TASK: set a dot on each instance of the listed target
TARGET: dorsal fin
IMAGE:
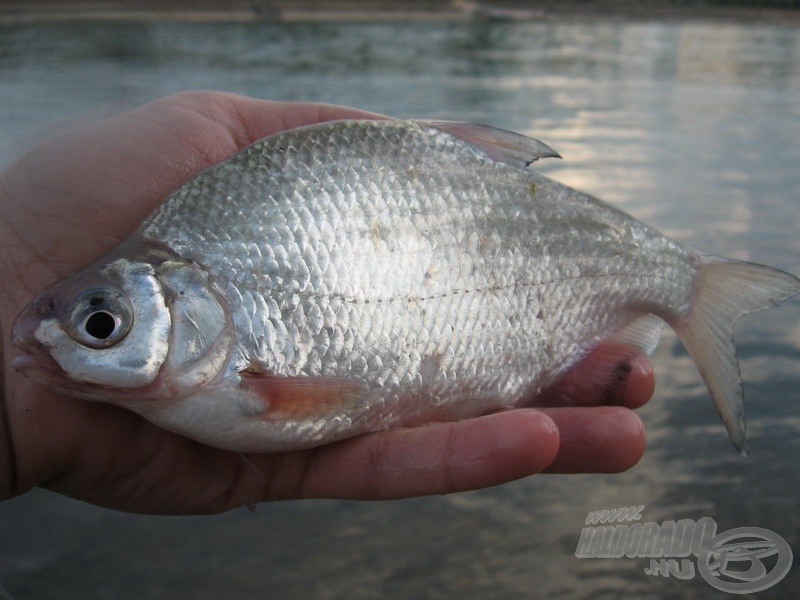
(500, 145)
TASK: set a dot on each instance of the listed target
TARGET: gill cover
(126, 356)
(201, 336)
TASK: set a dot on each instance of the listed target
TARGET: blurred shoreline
(22, 11)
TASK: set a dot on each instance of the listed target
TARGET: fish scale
(449, 213)
(369, 280)
(388, 273)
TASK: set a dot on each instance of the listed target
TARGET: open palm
(77, 195)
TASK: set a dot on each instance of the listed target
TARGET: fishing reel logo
(735, 563)
(738, 561)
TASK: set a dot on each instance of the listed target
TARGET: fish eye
(100, 318)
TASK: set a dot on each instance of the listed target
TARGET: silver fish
(353, 276)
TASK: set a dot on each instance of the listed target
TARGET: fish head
(126, 331)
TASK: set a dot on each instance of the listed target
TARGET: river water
(692, 126)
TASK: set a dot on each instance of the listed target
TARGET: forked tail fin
(724, 290)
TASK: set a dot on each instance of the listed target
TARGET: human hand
(76, 196)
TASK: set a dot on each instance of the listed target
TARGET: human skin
(75, 196)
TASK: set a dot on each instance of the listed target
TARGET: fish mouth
(34, 361)
(38, 366)
(23, 333)
(41, 368)
(24, 362)
(29, 362)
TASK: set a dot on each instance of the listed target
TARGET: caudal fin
(725, 290)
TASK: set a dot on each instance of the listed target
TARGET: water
(694, 127)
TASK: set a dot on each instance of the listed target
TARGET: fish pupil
(100, 325)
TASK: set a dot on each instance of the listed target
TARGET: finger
(112, 173)
(437, 459)
(250, 119)
(611, 375)
(291, 114)
(605, 439)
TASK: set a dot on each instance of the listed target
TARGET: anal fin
(642, 333)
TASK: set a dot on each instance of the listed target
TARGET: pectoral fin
(301, 398)
(256, 412)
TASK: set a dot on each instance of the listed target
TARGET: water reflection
(728, 54)
(694, 127)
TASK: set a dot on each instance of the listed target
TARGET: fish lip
(24, 343)
(31, 355)
(28, 361)
(24, 362)
(23, 332)
(42, 369)
(36, 364)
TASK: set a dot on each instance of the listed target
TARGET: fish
(353, 276)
